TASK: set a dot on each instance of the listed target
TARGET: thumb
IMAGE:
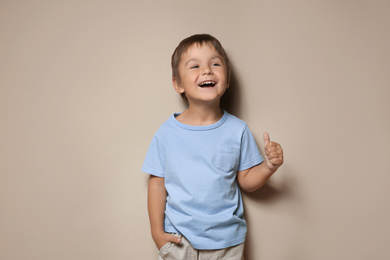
(174, 239)
(266, 139)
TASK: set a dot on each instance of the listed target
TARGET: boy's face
(202, 73)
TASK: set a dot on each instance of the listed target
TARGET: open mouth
(207, 84)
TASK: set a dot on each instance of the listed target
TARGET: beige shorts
(184, 251)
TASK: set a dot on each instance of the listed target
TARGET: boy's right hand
(163, 238)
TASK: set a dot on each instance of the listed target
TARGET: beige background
(85, 84)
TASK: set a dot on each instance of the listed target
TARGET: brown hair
(199, 39)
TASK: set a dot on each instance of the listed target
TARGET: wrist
(272, 169)
(157, 234)
(160, 238)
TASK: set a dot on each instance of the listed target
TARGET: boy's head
(198, 39)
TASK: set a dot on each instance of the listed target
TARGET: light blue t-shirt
(199, 164)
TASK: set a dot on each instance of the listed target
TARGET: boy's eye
(216, 64)
(194, 67)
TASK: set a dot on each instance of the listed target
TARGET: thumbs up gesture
(273, 152)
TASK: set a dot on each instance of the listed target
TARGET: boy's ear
(177, 86)
(228, 81)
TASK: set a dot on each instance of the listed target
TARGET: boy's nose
(207, 71)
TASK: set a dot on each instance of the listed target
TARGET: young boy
(199, 160)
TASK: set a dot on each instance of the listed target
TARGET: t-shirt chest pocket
(227, 158)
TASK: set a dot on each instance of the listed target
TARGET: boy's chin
(206, 100)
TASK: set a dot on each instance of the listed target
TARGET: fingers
(276, 161)
(266, 139)
(273, 148)
(275, 157)
(164, 238)
(173, 239)
(274, 153)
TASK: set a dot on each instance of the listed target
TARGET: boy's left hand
(273, 152)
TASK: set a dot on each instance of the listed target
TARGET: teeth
(207, 83)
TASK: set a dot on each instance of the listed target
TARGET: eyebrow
(212, 58)
(190, 61)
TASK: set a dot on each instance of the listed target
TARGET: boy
(199, 160)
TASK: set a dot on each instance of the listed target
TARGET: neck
(201, 115)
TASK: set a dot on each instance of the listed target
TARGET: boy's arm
(156, 206)
(255, 177)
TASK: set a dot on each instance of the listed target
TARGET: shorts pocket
(164, 250)
(227, 158)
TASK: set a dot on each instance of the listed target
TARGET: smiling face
(202, 74)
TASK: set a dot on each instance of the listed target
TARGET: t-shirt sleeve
(250, 155)
(155, 159)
